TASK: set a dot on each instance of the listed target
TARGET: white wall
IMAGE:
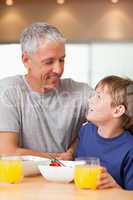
(77, 65)
(10, 60)
(111, 58)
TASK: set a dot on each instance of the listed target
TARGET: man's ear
(26, 60)
(119, 111)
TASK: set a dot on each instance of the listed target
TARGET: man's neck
(35, 85)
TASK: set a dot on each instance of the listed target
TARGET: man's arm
(9, 145)
(69, 154)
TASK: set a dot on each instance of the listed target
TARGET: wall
(80, 20)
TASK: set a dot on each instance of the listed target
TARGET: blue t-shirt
(116, 154)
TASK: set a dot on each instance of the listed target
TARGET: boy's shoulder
(130, 138)
(88, 125)
(129, 135)
(128, 141)
(130, 148)
(87, 130)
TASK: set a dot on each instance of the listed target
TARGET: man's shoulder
(9, 81)
(71, 84)
(10, 84)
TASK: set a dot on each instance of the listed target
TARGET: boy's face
(100, 110)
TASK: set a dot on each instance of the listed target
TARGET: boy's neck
(109, 131)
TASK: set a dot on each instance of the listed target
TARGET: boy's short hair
(121, 91)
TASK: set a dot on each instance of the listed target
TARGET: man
(39, 112)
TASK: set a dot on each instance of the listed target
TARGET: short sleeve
(9, 118)
(88, 92)
(128, 171)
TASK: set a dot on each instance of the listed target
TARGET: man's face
(100, 110)
(46, 65)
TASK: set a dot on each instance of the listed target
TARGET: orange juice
(87, 176)
(11, 171)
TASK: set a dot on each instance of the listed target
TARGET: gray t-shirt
(44, 122)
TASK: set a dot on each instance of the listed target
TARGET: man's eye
(49, 62)
(62, 60)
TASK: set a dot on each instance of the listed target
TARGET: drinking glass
(11, 169)
(86, 175)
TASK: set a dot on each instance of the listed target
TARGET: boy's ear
(119, 111)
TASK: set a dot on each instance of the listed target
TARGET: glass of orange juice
(86, 175)
(11, 169)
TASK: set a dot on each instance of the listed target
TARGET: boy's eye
(99, 96)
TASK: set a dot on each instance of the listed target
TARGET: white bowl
(72, 163)
(30, 164)
(59, 174)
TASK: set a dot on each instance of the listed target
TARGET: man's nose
(57, 67)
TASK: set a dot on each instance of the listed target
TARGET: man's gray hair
(38, 32)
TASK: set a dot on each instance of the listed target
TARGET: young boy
(109, 135)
